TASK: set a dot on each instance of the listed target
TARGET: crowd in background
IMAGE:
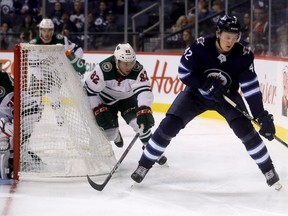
(19, 20)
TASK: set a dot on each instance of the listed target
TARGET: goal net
(55, 132)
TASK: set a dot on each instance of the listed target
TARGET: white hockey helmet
(46, 24)
(125, 53)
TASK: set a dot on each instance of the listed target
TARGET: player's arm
(142, 89)
(94, 84)
(187, 69)
(250, 88)
(75, 48)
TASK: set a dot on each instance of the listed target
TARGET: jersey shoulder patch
(137, 67)
(33, 41)
(59, 37)
(107, 64)
(200, 40)
(246, 50)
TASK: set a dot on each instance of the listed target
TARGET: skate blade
(277, 186)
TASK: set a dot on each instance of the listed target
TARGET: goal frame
(20, 84)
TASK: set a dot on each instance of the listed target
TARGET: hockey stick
(100, 187)
(232, 103)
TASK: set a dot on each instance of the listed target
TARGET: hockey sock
(258, 151)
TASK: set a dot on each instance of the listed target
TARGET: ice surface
(209, 173)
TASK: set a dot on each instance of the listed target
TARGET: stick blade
(98, 187)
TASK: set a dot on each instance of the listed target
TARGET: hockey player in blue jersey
(212, 66)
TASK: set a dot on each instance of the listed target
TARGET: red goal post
(55, 132)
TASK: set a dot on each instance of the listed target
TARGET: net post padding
(58, 133)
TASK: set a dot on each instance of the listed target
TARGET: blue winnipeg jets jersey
(235, 69)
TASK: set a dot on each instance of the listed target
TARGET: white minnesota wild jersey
(106, 85)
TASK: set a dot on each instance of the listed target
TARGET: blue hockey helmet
(228, 24)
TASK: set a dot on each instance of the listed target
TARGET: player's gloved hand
(267, 127)
(104, 117)
(215, 89)
(145, 119)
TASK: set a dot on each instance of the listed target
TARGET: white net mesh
(59, 136)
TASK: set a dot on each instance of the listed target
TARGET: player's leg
(184, 108)
(6, 148)
(4, 156)
(256, 148)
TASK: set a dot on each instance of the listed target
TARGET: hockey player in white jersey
(121, 84)
(43, 71)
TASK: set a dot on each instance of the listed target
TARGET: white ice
(209, 173)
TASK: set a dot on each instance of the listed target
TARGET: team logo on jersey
(200, 40)
(137, 67)
(106, 67)
(246, 50)
(220, 75)
(2, 91)
(222, 58)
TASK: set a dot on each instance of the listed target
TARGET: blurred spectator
(91, 28)
(191, 23)
(245, 32)
(187, 38)
(205, 24)
(56, 13)
(118, 6)
(217, 8)
(6, 16)
(180, 24)
(6, 37)
(17, 5)
(27, 29)
(203, 9)
(6, 6)
(282, 40)
(111, 26)
(65, 23)
(100, 16)
(78, 17)
(176, 40)
(260, 28)
(62, 1)
(30, 7)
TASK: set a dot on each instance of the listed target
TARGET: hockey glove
(104, 117)
(267, 127)
(215, 89)
(145, 118)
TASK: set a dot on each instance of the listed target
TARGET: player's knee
(242, 127)
(170, 126)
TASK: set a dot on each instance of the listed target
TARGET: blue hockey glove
(145, 118)
(215, 89)
(267, 127)
(104, 117)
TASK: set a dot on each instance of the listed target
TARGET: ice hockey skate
(139, 174)
(273, 179)
(119, 141)
(162, 160)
